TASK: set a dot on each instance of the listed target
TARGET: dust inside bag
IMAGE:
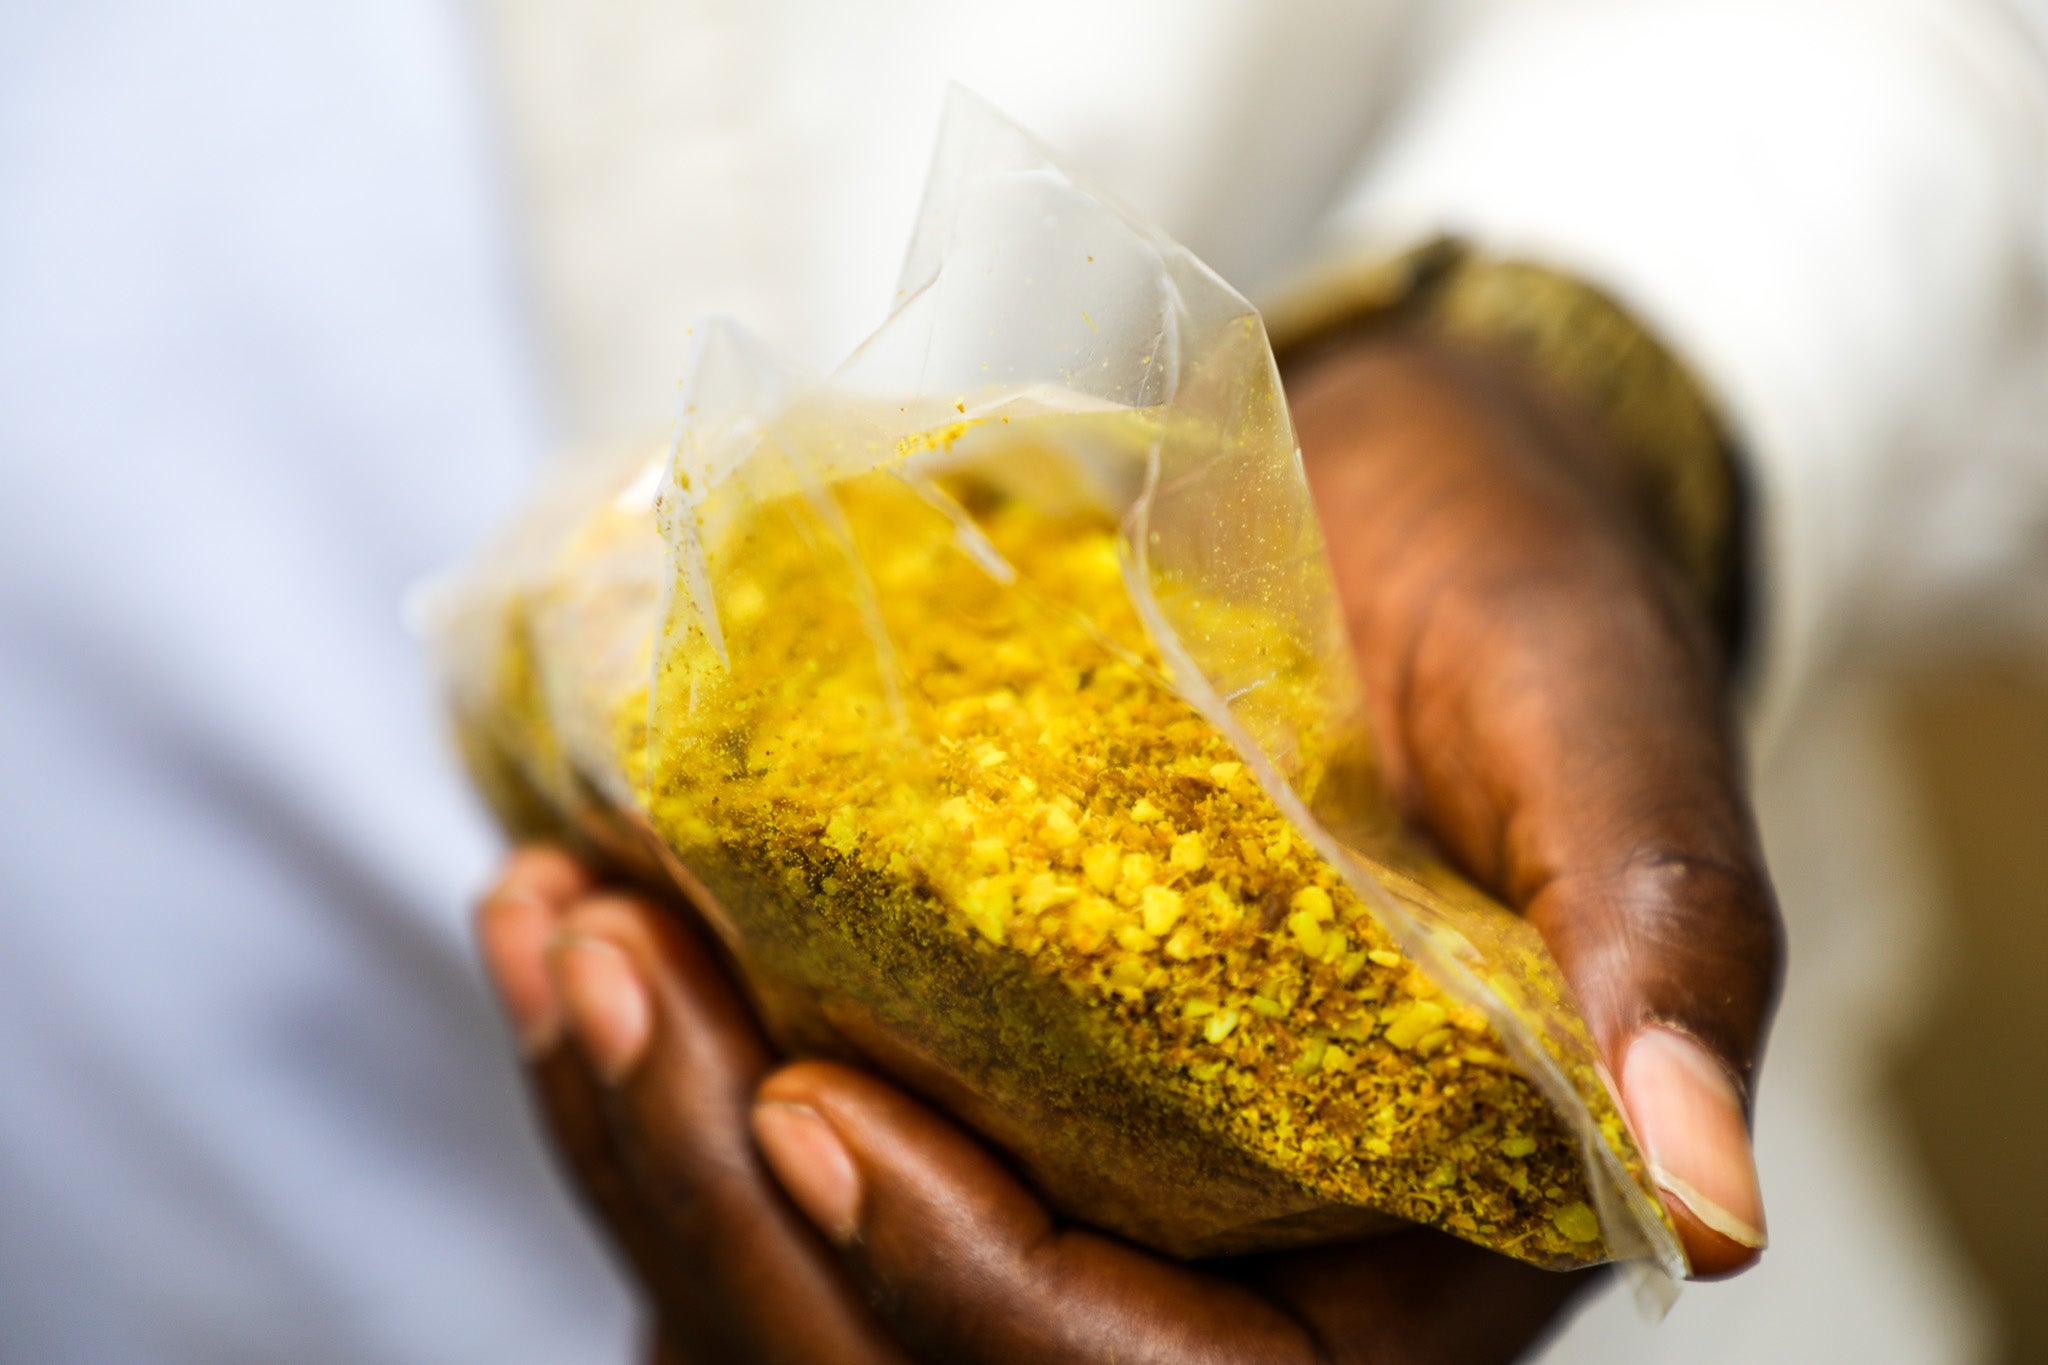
(991, 700)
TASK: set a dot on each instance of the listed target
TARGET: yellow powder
(1005, 861)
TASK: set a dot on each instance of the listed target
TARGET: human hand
(1552, 711)
(1552, 708)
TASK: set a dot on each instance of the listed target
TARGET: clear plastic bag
(991, 701)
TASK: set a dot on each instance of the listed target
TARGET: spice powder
(964, 829)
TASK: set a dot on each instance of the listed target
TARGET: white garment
(263, 368)
(266, 362)
(1836, 210)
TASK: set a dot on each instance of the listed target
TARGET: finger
(742, 1275)
(966, 1265)
(1624, 836)
(514, 923)
(1556, 712)
(1627, 842)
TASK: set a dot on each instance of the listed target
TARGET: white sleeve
(1833, 211)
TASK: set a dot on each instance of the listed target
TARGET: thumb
(1673, 960)
(1617, 819)
(1554, 709)
(965, 1264)
(1625, 836)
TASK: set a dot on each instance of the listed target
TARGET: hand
(1553, 712)
(815, 1216)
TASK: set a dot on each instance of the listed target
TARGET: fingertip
(605, 999)
(925, 1180)
(1709, 1255)
(1689, 1116)
(513, 928)
(812, 1163)
(513, 933)
(514, 924)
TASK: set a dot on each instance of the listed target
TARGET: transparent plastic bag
(990, 700)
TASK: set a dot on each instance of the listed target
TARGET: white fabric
(1837, 211)
(1859, 1267)
(262, 371)
(267, 361)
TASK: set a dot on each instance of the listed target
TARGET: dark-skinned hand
(1553, 711)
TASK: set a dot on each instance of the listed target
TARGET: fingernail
(513, 930)
(1689, 1119)
(607, 1003)
(813, 1166)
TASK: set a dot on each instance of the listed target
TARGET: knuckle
(1703, 905)
(1704, 945)
(1671, 934)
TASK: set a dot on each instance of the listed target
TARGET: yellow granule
(1002, 859)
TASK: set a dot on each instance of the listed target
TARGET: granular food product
(991, 704)
(1059, 833)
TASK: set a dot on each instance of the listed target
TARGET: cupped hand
(813, 1215)
(1553, 711)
